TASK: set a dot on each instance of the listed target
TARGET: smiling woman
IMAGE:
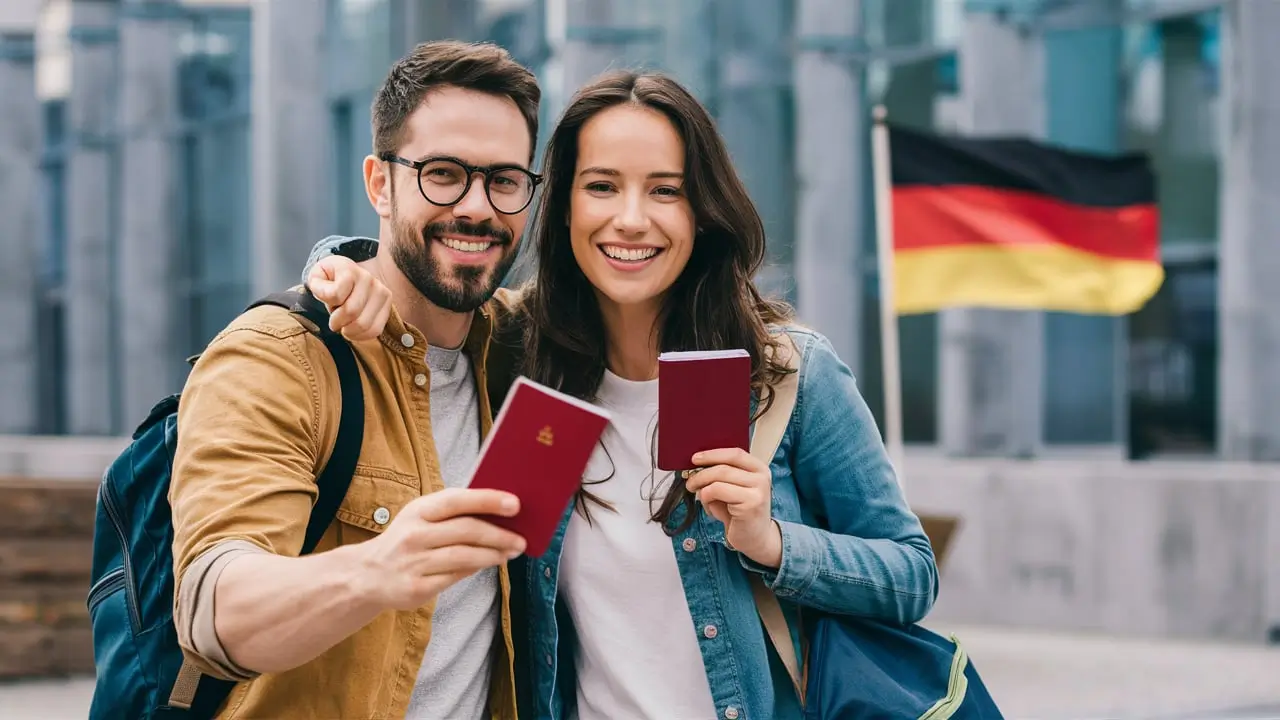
(631, 226)
(647, 242)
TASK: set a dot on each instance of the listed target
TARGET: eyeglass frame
(472, 170)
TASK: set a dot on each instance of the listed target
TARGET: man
(403, 607)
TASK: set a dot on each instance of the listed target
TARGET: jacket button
(709, 631)
(420, 379)
(382, 516)
(689, 544)
(547, 573)
(731, 713)
(406, 340)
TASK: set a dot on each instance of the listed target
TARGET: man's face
(457, 255)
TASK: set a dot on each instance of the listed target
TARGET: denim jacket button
(547, 573)
(689, 544)
(709, 631)
(420, 379)
(406, 340)
(731, 713)
(382, 516)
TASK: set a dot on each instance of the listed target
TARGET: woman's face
(630, 222)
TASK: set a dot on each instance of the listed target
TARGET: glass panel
(215, 167)
(740, 67)
(51, 370)
(1082, 354)
(909, 92)
(1171, 113)
(362, 43)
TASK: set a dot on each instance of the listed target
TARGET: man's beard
(467, 287)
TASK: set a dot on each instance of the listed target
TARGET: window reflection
(213, 159)
(1171, 112)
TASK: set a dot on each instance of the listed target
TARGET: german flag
(1011, 223)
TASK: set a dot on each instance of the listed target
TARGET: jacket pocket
(375, 498)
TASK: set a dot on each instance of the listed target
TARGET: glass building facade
(1138, 77)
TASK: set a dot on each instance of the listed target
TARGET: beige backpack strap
(769, 429)
(184, 686)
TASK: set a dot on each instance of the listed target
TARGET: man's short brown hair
(482, 67)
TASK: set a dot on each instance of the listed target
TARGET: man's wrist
(359, 577)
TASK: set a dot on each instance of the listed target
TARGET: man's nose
(474, 206)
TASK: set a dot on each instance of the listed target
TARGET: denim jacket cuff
(801, 559)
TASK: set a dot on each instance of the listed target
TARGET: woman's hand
(359, 303)
(736, 489)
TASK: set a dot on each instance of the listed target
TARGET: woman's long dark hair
(713, 304)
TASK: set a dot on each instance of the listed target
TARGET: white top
(453, 681)
(638, 654)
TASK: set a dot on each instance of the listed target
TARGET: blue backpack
(140, 670)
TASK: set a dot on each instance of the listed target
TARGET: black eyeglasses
(444, 181)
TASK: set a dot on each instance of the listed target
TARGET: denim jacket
(850, 546)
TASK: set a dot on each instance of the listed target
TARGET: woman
(642, 608)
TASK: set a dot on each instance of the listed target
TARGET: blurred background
(164, 162)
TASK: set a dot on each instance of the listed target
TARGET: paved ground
(1034, 676)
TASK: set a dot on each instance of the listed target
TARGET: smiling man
(402, 610)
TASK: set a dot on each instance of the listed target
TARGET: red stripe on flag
(964, 215)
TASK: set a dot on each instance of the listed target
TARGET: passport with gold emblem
(538, 450)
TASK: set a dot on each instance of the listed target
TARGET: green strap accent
(957, 686)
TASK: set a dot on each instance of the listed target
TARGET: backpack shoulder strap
(765, 438)
(335, 479)
(201, 695)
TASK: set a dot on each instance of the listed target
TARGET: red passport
(538, 450)
(704, 403)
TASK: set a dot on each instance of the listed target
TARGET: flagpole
(882, 182)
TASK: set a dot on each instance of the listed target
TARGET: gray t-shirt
(453, 682)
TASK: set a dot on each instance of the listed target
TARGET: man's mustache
(483, 231)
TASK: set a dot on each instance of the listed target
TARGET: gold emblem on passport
(546, 437)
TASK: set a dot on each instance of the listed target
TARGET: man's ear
(377, 185)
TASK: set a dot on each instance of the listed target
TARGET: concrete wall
(1178, 549)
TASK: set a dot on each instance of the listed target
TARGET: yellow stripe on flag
(1031, 277)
